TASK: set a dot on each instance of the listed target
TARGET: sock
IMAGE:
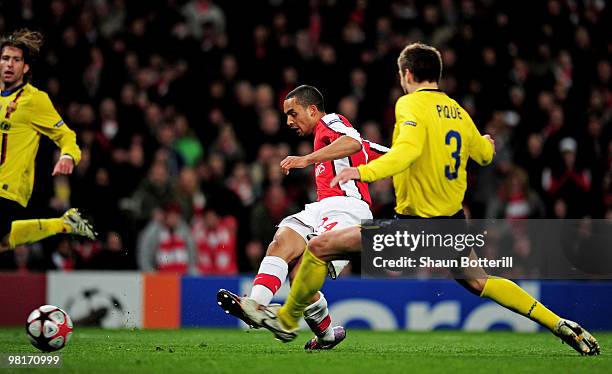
(309, 279)
(318, 319)
(508, 294)
(33, 230)
(270, 277)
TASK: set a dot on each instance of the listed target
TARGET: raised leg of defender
(509, 295)
(33, 230)
(312, 272)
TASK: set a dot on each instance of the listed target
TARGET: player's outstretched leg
(509, 295)
(329, 246)
(284, 322)
(33, 230)
(310, 277)
(286, 246)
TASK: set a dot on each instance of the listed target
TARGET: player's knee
(319, 244)
(476, 285)
(278, 249)
(275, 249)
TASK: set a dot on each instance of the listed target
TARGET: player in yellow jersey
(25, 114)
(432, 140)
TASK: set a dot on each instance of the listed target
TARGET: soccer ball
(49, 328)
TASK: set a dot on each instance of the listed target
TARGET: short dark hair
(423, 61)
(307, 95)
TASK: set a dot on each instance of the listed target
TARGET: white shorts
(332, 213)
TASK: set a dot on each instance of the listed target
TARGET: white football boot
(266, 316)
(576, 337)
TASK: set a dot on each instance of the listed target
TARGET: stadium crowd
(177, 107)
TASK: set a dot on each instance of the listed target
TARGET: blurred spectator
(383, 201)
(241, 184)
(152, 193)
(515, 199)
(65, 257)
(270, 128)
(187, 145)
(128, 167)
(199, 13)
(166, 244)
(349, 107)
(166, 152)
(264, 98)
(227, 145)
(266, 214)
(216, 243)
(21, 258)
(188, 194)
(532, 160)
(568, 181)
(254, 253)
(112, 255)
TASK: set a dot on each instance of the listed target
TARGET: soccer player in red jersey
(337, 145)
(425, 187)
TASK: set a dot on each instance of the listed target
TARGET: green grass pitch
(235, 351)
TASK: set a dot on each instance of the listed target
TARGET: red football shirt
(331, 127)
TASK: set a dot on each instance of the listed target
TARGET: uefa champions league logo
(96, 307)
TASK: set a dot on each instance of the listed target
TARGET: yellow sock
(308, 281)
(508, 294)
(33, 230)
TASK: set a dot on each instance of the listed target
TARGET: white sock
(318, 319)
(270, 277)
(261, 294)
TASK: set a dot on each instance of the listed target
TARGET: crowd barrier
(146, 300)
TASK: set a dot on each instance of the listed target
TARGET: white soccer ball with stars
(49, 328)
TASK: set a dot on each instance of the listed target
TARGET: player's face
(12, 67)
(300, 119)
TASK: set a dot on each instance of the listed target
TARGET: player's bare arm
(342, 147)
